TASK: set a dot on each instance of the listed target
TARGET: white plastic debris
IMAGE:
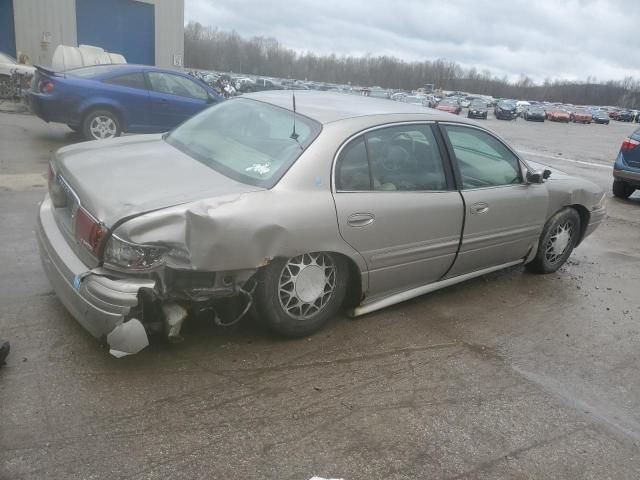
(127, 338)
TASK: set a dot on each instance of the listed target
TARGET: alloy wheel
(102, 127)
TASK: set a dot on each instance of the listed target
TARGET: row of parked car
(105, 100)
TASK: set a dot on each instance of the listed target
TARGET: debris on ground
(4, 350)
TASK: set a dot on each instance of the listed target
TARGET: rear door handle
(479, 208)
(360, 219)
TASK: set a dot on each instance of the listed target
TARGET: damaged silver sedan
(294, 211)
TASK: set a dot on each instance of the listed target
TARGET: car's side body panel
(412, 239)
(505, 229)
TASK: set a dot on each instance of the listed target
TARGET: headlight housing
(121, 254)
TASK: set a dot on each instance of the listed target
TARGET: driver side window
(399, 158)
(482, 159)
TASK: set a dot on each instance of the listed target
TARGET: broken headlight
(121, 254)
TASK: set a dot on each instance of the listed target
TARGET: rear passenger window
(131, 80)
(399, 158)
(353, 168)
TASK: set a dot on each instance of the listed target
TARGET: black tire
(622, 189)
(270, 297)
(105, 117)
(547, 260)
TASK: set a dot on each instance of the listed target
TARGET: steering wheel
(395, 157)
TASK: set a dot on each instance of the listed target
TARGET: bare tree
(210, 48)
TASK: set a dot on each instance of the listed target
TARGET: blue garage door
(126, 27)
(7, 33)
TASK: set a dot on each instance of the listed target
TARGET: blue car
(103, 101)
(626, 171)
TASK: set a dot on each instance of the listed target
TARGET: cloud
(568, 39)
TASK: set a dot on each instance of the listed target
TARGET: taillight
(629, 144)
(89, 231)
(46, 86)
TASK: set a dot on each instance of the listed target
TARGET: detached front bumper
(101, 303)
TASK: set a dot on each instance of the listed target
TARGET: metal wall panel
(42, 25)
(119, 26)
(7, 33)
(169, 32)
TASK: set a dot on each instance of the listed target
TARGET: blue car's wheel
(100, 125)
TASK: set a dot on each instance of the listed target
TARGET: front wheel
(297, 296)
(622, 189)
(101, 124)
(558, 239)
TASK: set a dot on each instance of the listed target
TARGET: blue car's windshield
(252, 142)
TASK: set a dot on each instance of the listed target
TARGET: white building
(149, 32)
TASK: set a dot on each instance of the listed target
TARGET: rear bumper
(99, 301)
(49, 108)
(628, 176)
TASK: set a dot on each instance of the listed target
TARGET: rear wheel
(101, 124)
(558, 239)
(297, 296)
(622, 189)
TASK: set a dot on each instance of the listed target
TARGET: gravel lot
(511, 375)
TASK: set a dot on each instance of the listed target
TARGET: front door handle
(360, 219)
(479, 208)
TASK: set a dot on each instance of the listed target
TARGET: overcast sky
(569, 39)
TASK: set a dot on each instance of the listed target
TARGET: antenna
(294, 135)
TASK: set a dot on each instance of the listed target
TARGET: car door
(397, 207)
(174, 99)
(131, 93)
(504, 214)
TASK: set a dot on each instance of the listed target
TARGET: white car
(9, 66)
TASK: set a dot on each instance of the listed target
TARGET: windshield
(478, 104)
(6, 59)
(449, 101)
(247, 140)
(508, 104)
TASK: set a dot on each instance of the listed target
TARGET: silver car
(294, 208)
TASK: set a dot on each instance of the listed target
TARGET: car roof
(327, 107)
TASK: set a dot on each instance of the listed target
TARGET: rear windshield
(91, 72)
(247, 140)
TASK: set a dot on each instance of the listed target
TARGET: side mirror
(535, 177)
(546, 174)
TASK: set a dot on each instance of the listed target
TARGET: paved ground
(511, 375)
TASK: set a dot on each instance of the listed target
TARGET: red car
(449, 105)
(559, 116)
(582, 116)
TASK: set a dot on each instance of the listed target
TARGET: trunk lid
(128, 176)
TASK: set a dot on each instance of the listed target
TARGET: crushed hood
(127, 176)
